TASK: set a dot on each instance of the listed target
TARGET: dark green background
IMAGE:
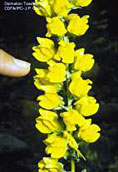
(20, 143)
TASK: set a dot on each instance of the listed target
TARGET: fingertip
(10, 66)
(23, 67)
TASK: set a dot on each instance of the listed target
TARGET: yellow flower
(50, 165)
(78, 25)
(71, 141)
(82, 3)
(56, 146)
(61, 8)
(87, 106)
(42, 83)
(55, 27)
(56, 72)
(65, 52)
(72, 118)
(45, 51)
(40, 78)
(47, 122)
(49, 100)
(83, 62)
(90, 133)
(79, 86)
(43, 8)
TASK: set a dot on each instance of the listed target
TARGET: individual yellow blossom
(56, 146)
(47, 122)
(90, 133)
(56, 72)
(42, 83)
(50, 165)
(82, 3)
(72, 118)
(50, 100)
(55, 27)
(78, 25)
(40, 79)
(61, 8)
(79, 86)
(71, 141)
(45, 51)
(87, 106)
(43, 8)
(65, 52)
(83, 62)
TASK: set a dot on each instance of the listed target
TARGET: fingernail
(21, 63)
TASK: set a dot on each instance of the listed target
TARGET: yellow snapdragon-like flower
(56, 146)
(43, 8)
(47, 122)
(83, 62)
(50, 100)
(72, 118)
(57, 72)
(89, 133)
(40, 78)
(78, 25)
(61, 8)
(55, 27)
(79, 86)
(42, 82)
(50, 165)
(65, 52)
(82, 3)
(87, 106)
(45, 51)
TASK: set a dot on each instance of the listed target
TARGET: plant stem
(72, 165)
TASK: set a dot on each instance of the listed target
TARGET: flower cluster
(65, 103)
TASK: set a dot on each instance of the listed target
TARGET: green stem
(72, 165)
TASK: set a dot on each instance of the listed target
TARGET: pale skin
(11, 66)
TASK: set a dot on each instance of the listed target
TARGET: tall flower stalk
(65, 105)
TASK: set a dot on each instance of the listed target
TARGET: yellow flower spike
(90, 134)
(49, 100)
(45, 51)
(56, 146)
(79, 86)
(71, 141)
(87, 106)
(72, 118)
(47, 122)
(61, 8)
(61, 26)
(55, 27)
(43, 8)
(82, 3)
(83, 62)
(77, 25)
(48, 164)
(56, 72)
(65, 52)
